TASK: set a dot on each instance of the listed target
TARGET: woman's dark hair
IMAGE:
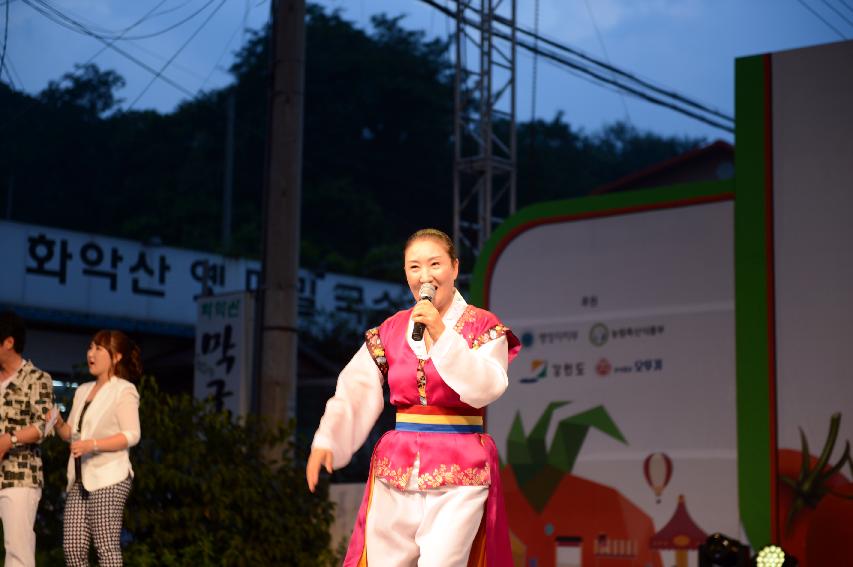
(116, 342)
(11, 325)
(433, 234)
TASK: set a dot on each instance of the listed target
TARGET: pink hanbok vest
(446, 459)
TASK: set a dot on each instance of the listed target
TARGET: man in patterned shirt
(26, 397)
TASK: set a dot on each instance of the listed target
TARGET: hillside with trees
(377, 153)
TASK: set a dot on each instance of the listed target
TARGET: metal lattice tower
(484, 167)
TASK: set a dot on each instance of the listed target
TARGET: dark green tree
(203, 494)
(89, 89)
(377, 151)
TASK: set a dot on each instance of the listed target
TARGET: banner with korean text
(618, 431)
(65, 271)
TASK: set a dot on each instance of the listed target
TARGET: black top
(78, 467)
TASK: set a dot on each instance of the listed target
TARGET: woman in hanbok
(433, 496)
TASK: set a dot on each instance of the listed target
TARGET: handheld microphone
(427, 291)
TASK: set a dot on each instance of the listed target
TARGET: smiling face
(100, 362)
(428, 261)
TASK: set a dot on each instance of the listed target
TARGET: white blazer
(115, 409)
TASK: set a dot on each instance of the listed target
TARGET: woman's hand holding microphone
(426, 313)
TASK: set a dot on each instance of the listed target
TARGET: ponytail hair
(116, 342)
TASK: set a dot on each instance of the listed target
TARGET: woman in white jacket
(103, 424)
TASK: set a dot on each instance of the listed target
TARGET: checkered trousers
(94, 516)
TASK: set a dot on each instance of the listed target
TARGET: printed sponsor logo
(538, 371)
(640, 366)
(557, 337)
(541, 369)
(636, 332)
(599, 334)
(603, 367)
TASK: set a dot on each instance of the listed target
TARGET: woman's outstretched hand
(317, 458)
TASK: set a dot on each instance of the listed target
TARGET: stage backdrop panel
(813, 241)
(618, 433)
(794, 163)
(795, 273)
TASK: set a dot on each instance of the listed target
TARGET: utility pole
(278, 292)
(228, 188)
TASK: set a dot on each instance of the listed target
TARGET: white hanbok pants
(428, 528)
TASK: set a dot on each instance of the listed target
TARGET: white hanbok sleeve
(352, 411)
(478, 375)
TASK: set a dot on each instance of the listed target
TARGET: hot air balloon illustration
(658, 470)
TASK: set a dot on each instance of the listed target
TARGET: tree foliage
(203, 493)
(377, 151)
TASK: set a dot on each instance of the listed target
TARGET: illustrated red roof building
(681, 532)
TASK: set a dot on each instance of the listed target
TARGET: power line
(642, 82)
(535, 63)
(117, 35)
(606, 55)
(821, 18)
(178, 52)
(5, 43)
(11, 67)
(83, 29)
(846, 5)
(629, 89)
(221, 55)
(125, 30)
(695, 109)
(173, 26)
(147, 16)
(837, 11)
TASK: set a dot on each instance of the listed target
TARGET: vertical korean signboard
(223, 349)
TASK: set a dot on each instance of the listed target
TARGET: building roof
(713, 162)
(681, 532)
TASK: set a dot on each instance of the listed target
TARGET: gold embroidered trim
(467, 316)
(421, 377)
(377, 351)
(494, 333)
(398, 477)
(453, 475)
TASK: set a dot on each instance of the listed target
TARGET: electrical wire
(11, 67)
(606, 55)
(695, 111)
(5, 43)
(642, 82)
(173, 26)
(821, 18)
(578, 53)
(535, 77)
(125, 30)
(837, 11)
(34, 4)
(213, 69)
(146, 17)
(116, 35)
(178, 52)
(627, 88)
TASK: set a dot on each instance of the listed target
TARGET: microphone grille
(427, 291)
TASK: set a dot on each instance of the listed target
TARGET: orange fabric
(362, 562)
(478, 547)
